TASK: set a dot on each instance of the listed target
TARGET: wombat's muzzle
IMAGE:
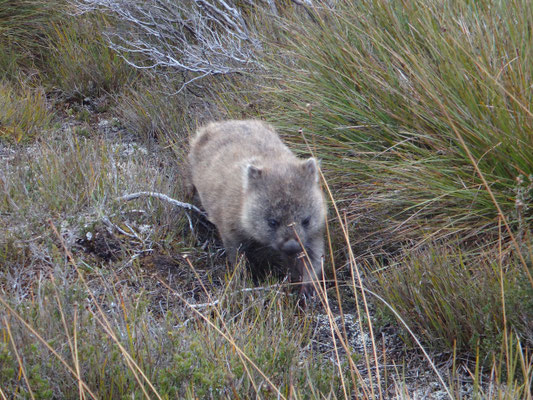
(291, 247)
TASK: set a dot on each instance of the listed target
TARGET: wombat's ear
(251, 175)
(310, 167)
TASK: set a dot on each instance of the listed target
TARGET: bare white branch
(163, 197)
(189, 38)
(254, 289)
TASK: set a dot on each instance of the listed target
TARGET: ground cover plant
(25, 112)
(421, 114)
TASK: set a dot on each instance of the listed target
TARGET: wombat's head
(282, 202)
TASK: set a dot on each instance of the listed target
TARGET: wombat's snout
(291, 247)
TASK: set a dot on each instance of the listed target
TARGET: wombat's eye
(306, 221)
(272, 223)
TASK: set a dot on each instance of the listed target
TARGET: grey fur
(256, 191)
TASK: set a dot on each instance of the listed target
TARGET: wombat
(260, 196)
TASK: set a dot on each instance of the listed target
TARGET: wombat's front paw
(307, 296)
(307, 290)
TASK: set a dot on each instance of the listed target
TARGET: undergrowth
(421, 113)
(24, 25)
(179, 352)
(456, 300)
(387, 90)
(24, 112)
(81, 64)
(411, 106)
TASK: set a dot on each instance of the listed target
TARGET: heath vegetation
(422, 116)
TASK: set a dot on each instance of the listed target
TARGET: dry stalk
(19, 360)
(45, 343)
(132, 364)
(71, 343)
(323, 296)
(487, 187)
(353, 264)
(76, 356)
(226, 336)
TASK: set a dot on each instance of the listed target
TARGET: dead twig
(163, 197)
(245, 290)
(182, 40)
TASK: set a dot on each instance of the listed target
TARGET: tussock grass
(44, 43)
(384, 88)
(25, 112)
(23, 28)
(421, 113)
(455, 299)
(80, 63)
(154, 111)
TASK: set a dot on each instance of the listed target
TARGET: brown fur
(260, 195)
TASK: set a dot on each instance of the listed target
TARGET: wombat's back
(219, 152)
(234, 141)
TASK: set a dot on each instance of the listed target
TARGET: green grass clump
(155, 110)
(478, 307)
(388, 90)
(422, 114)
(24, 25)
(152, 111)
(44, 41)
(456, 300)
(80, 62)
(24, 112)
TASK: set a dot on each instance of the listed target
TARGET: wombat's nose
(291, 247)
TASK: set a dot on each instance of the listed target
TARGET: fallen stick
(163, 197)
(170, 200)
